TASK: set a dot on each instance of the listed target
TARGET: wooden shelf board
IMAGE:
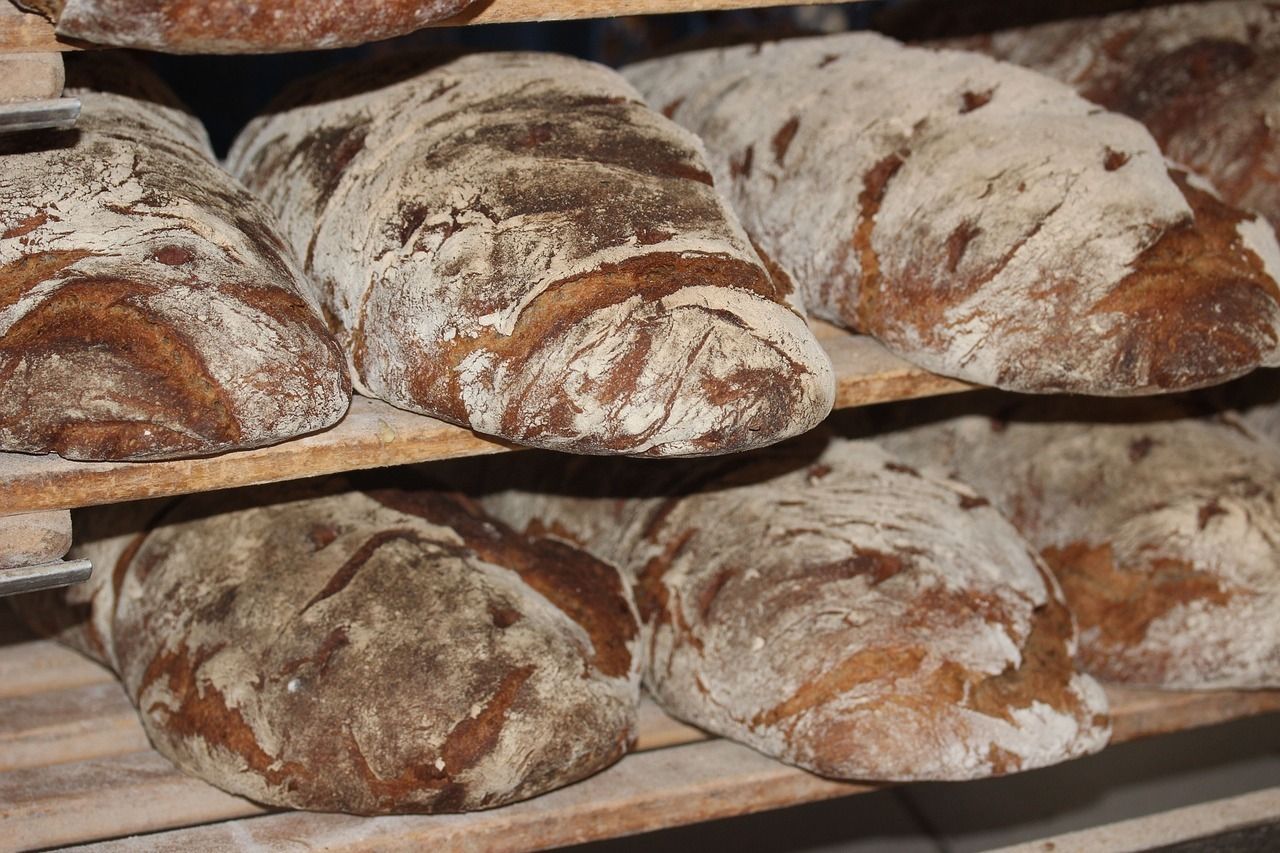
(374, 434)
(74, 767)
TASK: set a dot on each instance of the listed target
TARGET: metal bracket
(56, 114)
(44, 576)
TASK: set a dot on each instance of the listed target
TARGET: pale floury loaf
(368, 651)
(148, 308)
(514, 242)
(1204, 78)
(830, 607)
(1162, 525)
(240, 26)
(981, 220)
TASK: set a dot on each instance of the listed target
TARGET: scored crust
(372, 652)
(981, 220)
(829, 607)
(576, 285)
(1161, 527)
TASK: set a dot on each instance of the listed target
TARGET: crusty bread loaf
(147, 307)
(832, 608)
(514, 242)
(1203, 77)
(370, 651)
(980, 219)
(1163, 527)
(240, 26)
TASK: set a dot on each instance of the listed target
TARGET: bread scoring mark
(740, 166)
(1114, 159)
(670, 109)
(875, 182)
(28, 271)
(319, 660)
(321, 535)
(173, 256)
(1207, 512)
(171, 404)
(202, 713)
(975, 100)
(503, 617)
(958, 241)
(973, 501)
(586, 590)
(1118, 603)
(782, 139)
(26, 225)
(900, 468)
(862, 667)
(707, 597)
(1199, 307)
(472, 739)
(348, 570)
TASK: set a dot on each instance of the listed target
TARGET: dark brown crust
(231, 26)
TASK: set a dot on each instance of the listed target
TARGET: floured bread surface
(241, 26)
(514, 242)
(370, 652)
(1162, 529)
(148, 308)
(837, 610)
(1204, 78)
(982, 220)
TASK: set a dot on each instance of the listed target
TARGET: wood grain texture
(97, 771)
(508, 11)
(27, 32)
(374, 434)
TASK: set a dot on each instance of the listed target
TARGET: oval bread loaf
(1204, 78)
(370, 652)
(981, 220)
(833, 608)
(1162, 527)
(148, 308)
(240, 26)
(515, 243)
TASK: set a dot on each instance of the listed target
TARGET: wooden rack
(75, 766)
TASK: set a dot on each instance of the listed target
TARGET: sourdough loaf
(387, 650)
(148, 308)
(1204, 78)
(240, 26)
(831, 607)
(981, 220)
(515, 243)
(1162, 525)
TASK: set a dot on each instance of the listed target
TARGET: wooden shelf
(373, 435)
(75, 767)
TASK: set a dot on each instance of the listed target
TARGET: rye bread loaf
(515, 243)
(981, 220)
(240, 26)
(1161, 524)
(376, 651)
(1204, 78)
(831, 608)
(148, 308)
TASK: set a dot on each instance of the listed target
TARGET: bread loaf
(981, 220)
(1162, 526)
(515, 243)
(834, 609)
(147, 307)
(240, 26)
(1204, 78)
(373, 651)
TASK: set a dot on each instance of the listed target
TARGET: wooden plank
(37, 666)
(103, 798)
(62, 726)
(1169, 827)
(30, 76)
(27, 32)
(666, 787)
(374, 434)
(510, 11)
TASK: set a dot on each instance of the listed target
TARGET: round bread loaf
(240, 26)
(516, 243)
(370, 652)
(1163, 529)
(833, 608)
(981, 220)
(148, 309)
